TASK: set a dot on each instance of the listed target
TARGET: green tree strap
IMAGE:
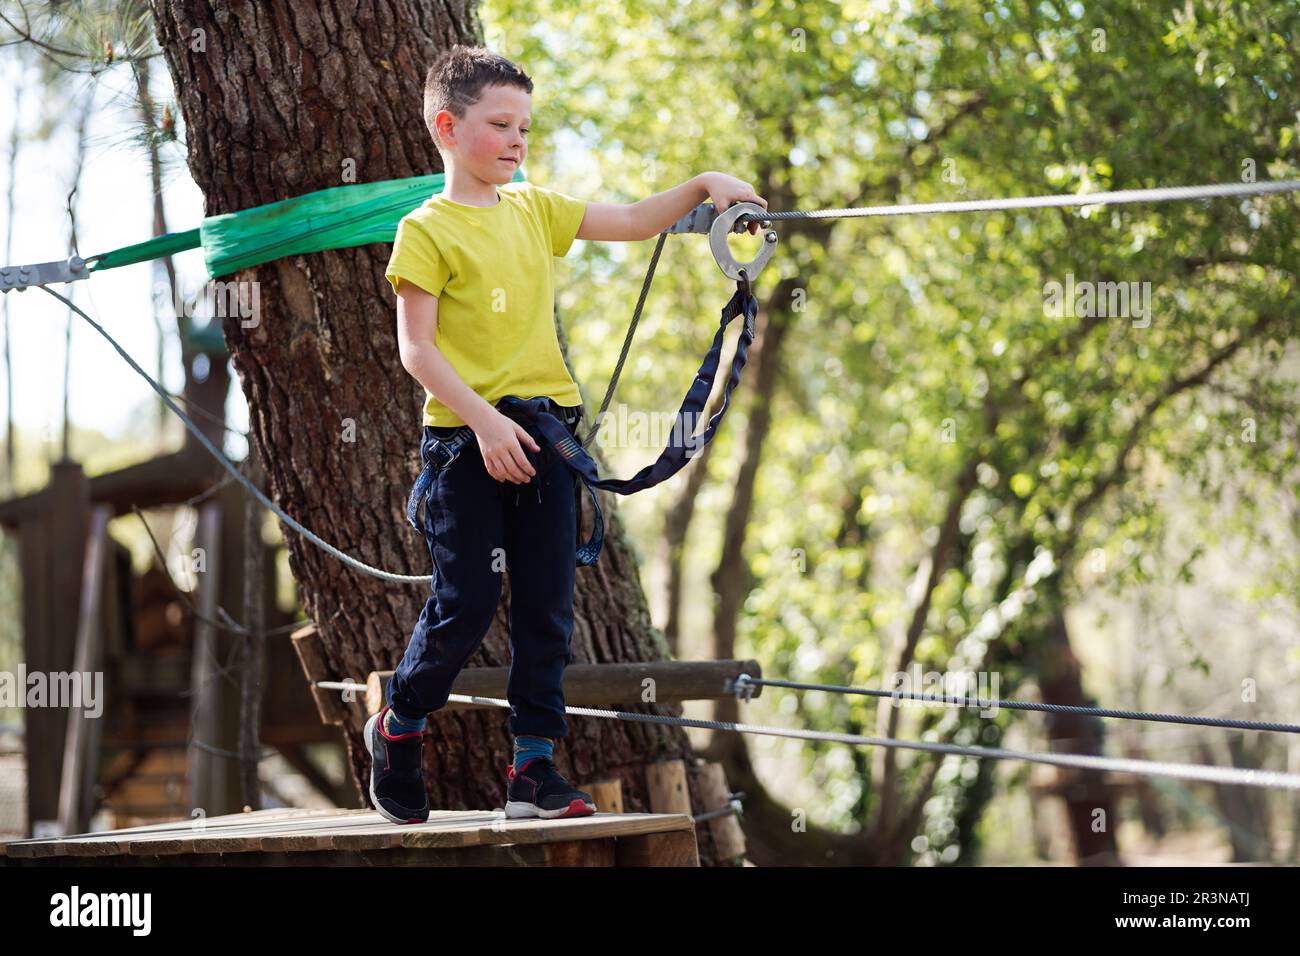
(154, 248)
(335, 218)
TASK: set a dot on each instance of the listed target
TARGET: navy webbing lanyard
(682, 446)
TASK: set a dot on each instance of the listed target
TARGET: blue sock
(527, 747)
(395, 724)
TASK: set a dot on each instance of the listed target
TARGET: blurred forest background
(1105, 505)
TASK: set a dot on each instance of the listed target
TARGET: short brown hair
(457, 78)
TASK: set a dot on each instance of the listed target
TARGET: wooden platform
(294, 837)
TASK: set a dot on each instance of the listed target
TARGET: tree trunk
(280, 100)
(1089, 802)
(1244, 811)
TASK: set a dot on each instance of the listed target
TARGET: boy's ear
(443, 126)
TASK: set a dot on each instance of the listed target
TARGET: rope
(1243, 776)
(627, 340)
(234, 469)
(229, 754)
(984, 704)
(1115, 198)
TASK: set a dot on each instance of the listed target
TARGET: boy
(472, 272)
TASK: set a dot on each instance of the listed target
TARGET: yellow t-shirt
(491, 268)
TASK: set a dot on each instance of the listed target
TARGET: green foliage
(922, 345)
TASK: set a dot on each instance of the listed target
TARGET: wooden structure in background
(83, 604)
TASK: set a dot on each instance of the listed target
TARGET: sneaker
(538, 790)
(396, 780)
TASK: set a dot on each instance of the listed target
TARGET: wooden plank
(444, 829)
(294, 831)
(728, 836)
(597, 825)
(175, 832)
(377, 690)
(580, 853)
(494, 855)
(310, 648)
(608, 794)
(165, 480)
(676, 848)
(666, 782)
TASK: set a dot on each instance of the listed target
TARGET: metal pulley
(705, 218)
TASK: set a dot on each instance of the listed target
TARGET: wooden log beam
(728, 836)
(598, 685)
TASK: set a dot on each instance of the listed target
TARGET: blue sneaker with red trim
(396, 779)
(538, 790)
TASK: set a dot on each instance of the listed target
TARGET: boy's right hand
(503, 456)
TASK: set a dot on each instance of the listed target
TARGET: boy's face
(491, 141)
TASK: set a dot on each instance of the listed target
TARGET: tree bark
(281, 98)
(1089, 801)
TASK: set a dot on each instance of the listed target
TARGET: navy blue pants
(476, 527)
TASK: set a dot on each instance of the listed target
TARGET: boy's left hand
(725, 190)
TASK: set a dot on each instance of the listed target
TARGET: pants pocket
(432, 514)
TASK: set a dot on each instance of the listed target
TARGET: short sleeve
(563, 214)
(416, 259)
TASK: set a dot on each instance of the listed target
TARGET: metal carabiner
(724, 224)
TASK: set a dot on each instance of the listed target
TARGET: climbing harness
(438, 453)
